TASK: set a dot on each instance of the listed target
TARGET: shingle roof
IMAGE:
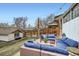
(7, 30)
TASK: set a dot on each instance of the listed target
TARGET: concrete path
(10, 49)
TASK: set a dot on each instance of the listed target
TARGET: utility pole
(38, 27)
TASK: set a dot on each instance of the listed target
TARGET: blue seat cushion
(71, 42)
(61, 44)
(54, 49)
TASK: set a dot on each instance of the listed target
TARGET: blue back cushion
(51, 36)
(61, 44)
(71, 42)
(43, 36)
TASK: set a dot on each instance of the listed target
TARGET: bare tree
(29, 26)
(50, 18)
(4, 25)
(20, 22)
(46, 21)
(39, 23)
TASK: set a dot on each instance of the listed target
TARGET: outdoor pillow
(32, 45)
(71, 42)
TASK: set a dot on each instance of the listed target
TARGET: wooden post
(38, 27)
(60, 27)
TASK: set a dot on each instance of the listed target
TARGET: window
(66, 18)
(76, 11)
(71, 15)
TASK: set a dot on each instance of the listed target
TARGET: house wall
(11, 37)
(7, 37)
(21, 34)
(32, 33)
(4, 38)
(71, 29)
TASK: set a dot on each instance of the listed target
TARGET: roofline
(8, 27)
(12, 31)
(58, 15)
(68, 10)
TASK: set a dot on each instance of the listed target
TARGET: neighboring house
(54, 27)
(31, 32)
(71, 22)
(10, 33)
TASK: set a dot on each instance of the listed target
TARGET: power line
(60, 8)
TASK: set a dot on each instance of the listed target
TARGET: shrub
(45, 40)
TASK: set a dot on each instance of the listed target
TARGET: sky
(32, 10)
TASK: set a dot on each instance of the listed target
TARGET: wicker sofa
(31, 48)
(36, 49)
(27, 51)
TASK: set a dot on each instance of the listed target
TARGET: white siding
(11, 37)
(4, 38)
(7, 37)
(71, 29)
(21, 34)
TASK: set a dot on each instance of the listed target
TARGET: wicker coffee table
(73, 51)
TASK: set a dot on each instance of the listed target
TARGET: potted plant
(45, 40)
